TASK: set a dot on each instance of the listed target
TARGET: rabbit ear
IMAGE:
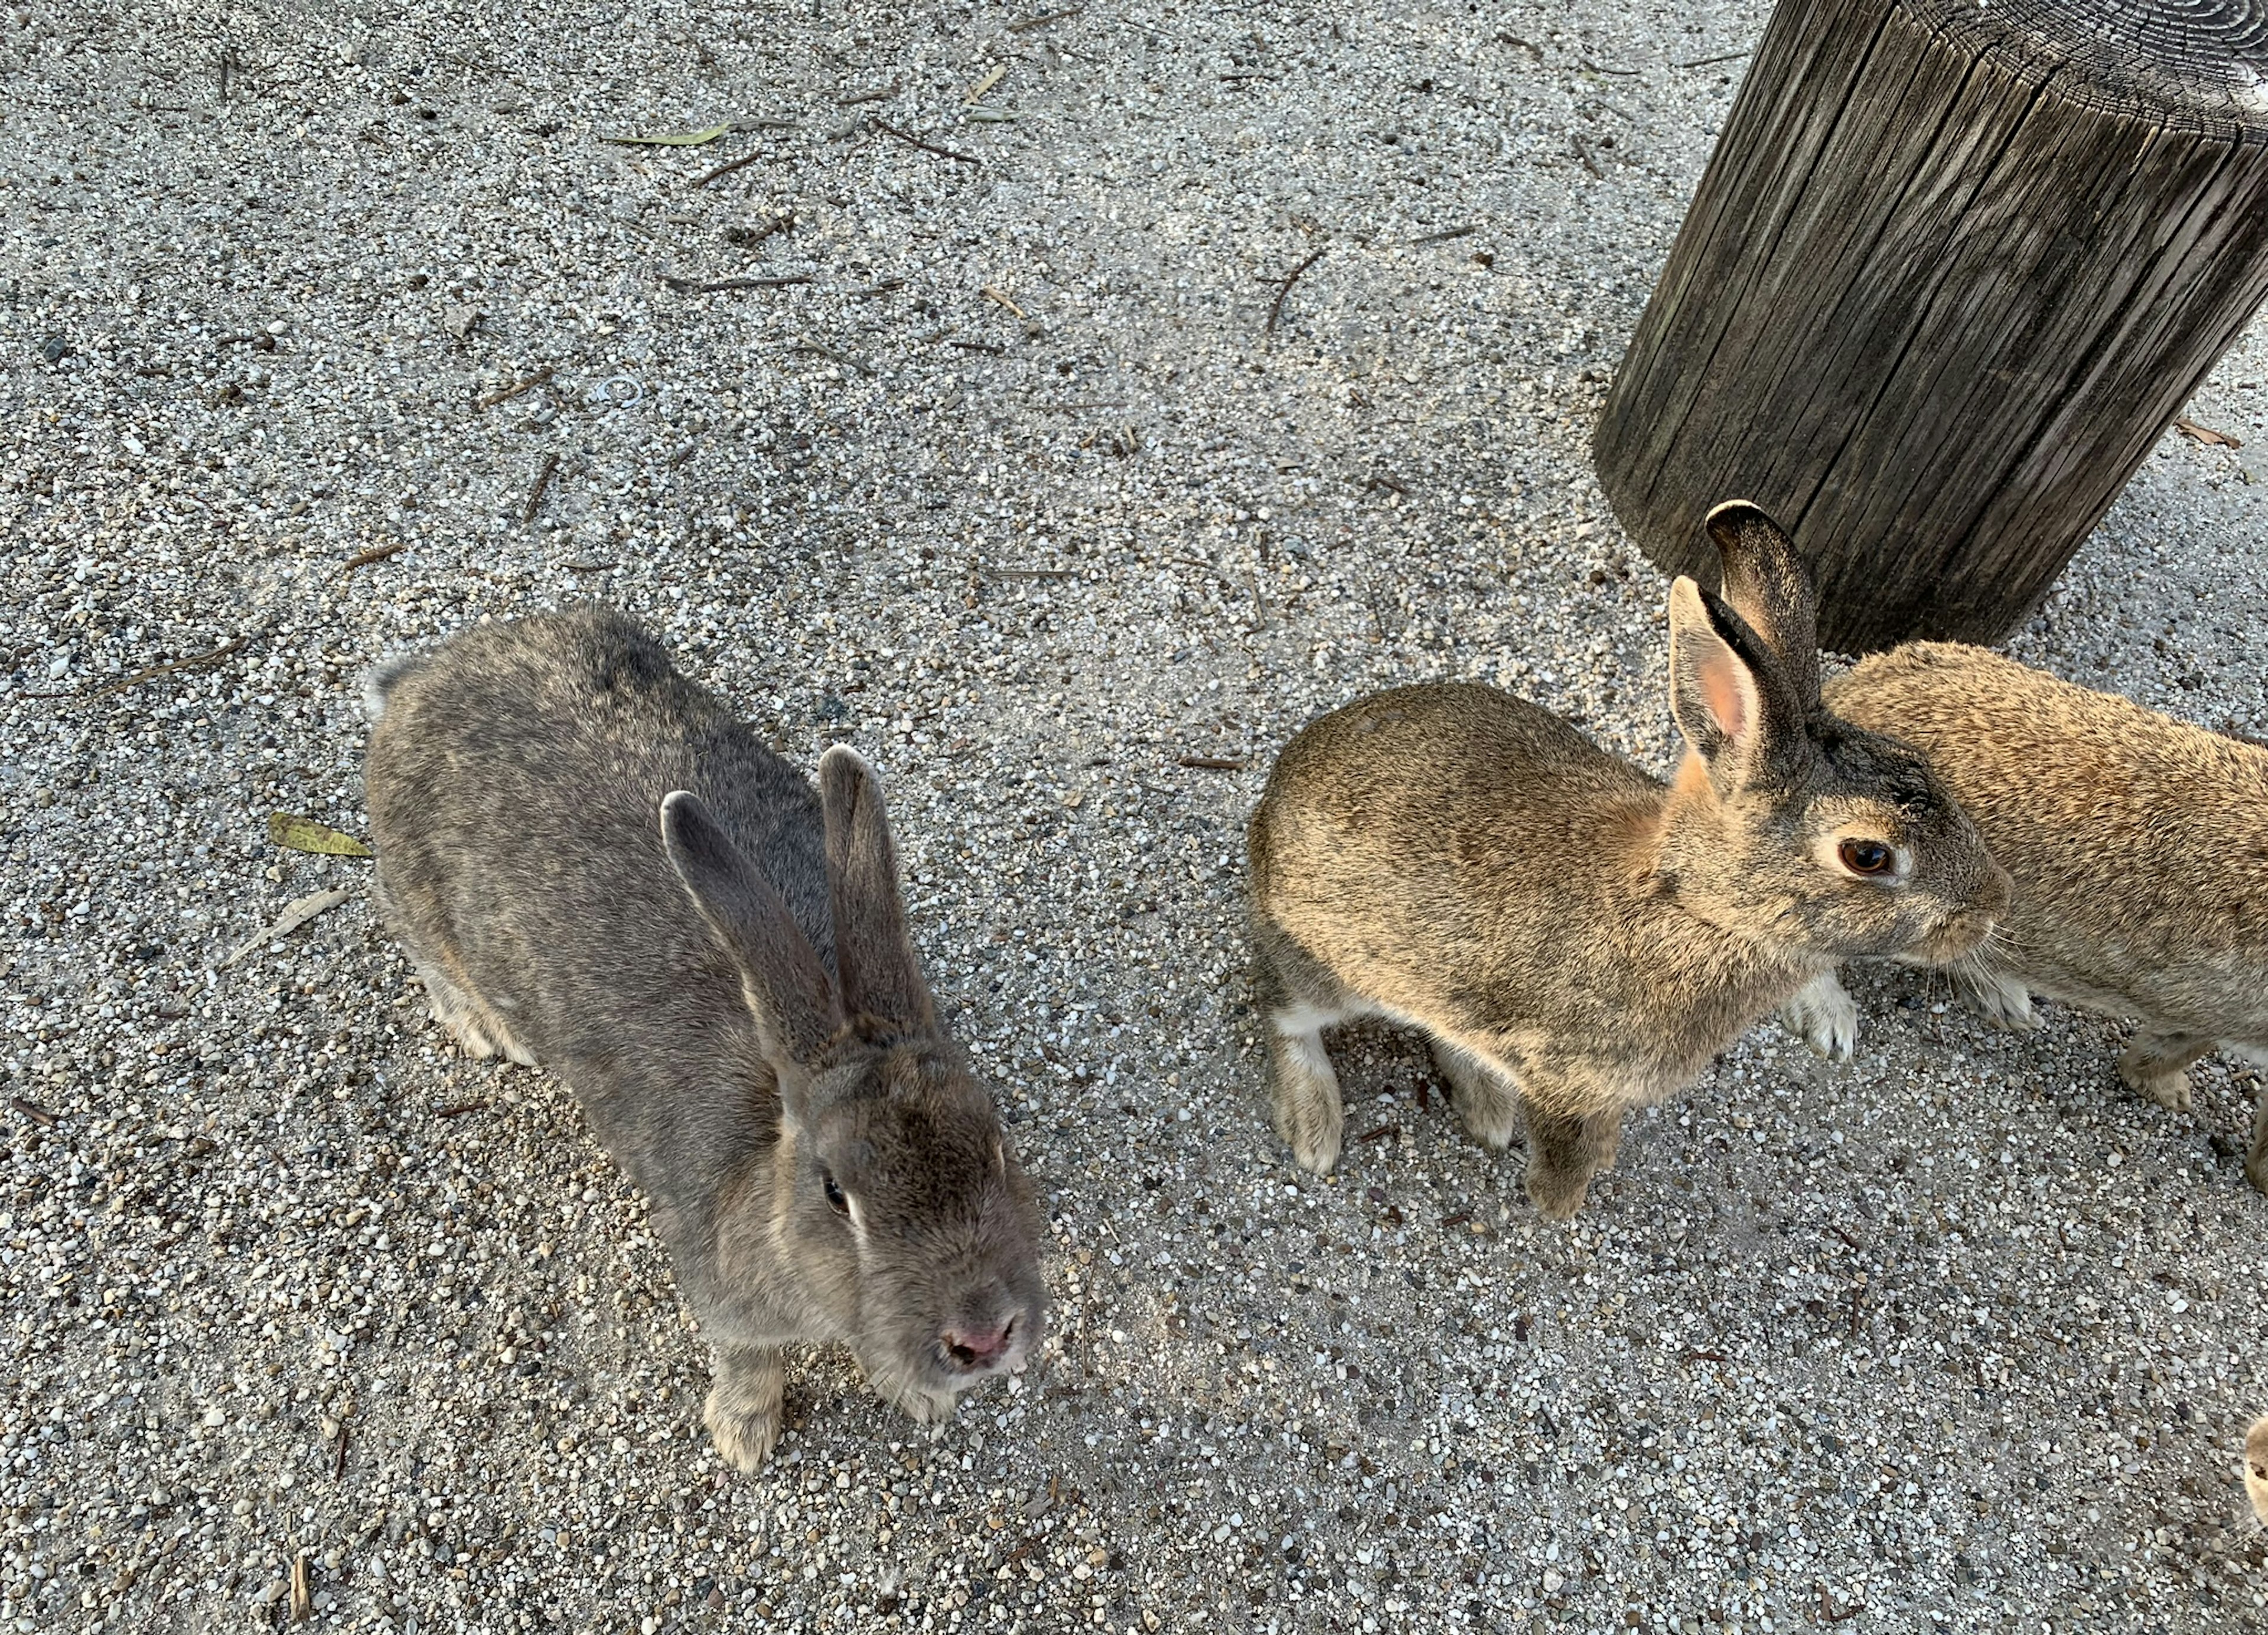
(797, 1009)
(1769, 585)
(881, 974)
(1726, 691)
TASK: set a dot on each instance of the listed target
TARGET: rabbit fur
(2139, 846)
(1575, 937)
(597, 869)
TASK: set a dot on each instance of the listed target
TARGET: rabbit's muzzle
(1969, 926)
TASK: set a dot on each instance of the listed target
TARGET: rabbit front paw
(1824, 1016)
(1305, 1091)
(746, 1398)
(2002, 1000)
(1557, 1193)
(1484, 1097)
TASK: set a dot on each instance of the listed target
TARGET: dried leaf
(298, 834)
(679, 139)
(295, 915)
(976, 92)
(2206, 435)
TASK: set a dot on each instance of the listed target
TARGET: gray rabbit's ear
(1770, 586)
(1725, 690)
(881, 976)
(797, 1008)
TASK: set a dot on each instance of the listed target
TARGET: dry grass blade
(296, 914)
(2206, 435)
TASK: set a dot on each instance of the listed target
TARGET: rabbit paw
(2156, 1064)
(1557, 1193)
(744, 1412)
(1824, 1016)
(2003, 1001)
(1484, 1099)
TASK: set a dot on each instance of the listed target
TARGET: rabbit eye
(835, 1201)
(1867, 857)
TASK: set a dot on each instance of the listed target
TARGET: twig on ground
(1711, 62)
(459, 1109)
(728, 168)
(542, 484)
(34, 1111)
(689, 286)
(882, 95)
(376, 553)
(1529, 46)
(844, 358)
(1448, 233)
(153, 672)
(1210, 763)
(339, 1466)
(912, 141)
(505, 394)
(1275, 306)
(1598, 68)
(1589, 164)
(980, 346)
(1000, 299)
(1044, 19)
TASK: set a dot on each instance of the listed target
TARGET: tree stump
(1953, 267)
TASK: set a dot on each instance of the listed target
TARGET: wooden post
(1953, 268)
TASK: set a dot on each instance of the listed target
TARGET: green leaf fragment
(298, 834)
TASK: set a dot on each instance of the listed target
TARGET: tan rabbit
(2256, 1468)
(1576, 936)
(2139, 846)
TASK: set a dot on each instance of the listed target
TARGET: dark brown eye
(835, 1201)
(1867, 857)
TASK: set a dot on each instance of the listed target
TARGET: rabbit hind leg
(2157, 1065)
(1483, 1093)
(477, 1027)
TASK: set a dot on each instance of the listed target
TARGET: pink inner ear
(1728, 700)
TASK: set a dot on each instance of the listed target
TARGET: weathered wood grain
(1950, 273)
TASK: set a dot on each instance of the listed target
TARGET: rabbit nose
(976, 1347)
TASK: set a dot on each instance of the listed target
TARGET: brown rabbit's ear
(881, 974)
(797, 1009)
(1769, 585)
(1725, 690)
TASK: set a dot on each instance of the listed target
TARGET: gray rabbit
(596, 868)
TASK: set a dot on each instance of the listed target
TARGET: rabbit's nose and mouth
(984, 1347)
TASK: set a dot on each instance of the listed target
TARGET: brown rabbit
(2139, 847)
(598, 869)
(1577, 937)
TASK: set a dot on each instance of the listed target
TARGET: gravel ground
(1015, 489)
